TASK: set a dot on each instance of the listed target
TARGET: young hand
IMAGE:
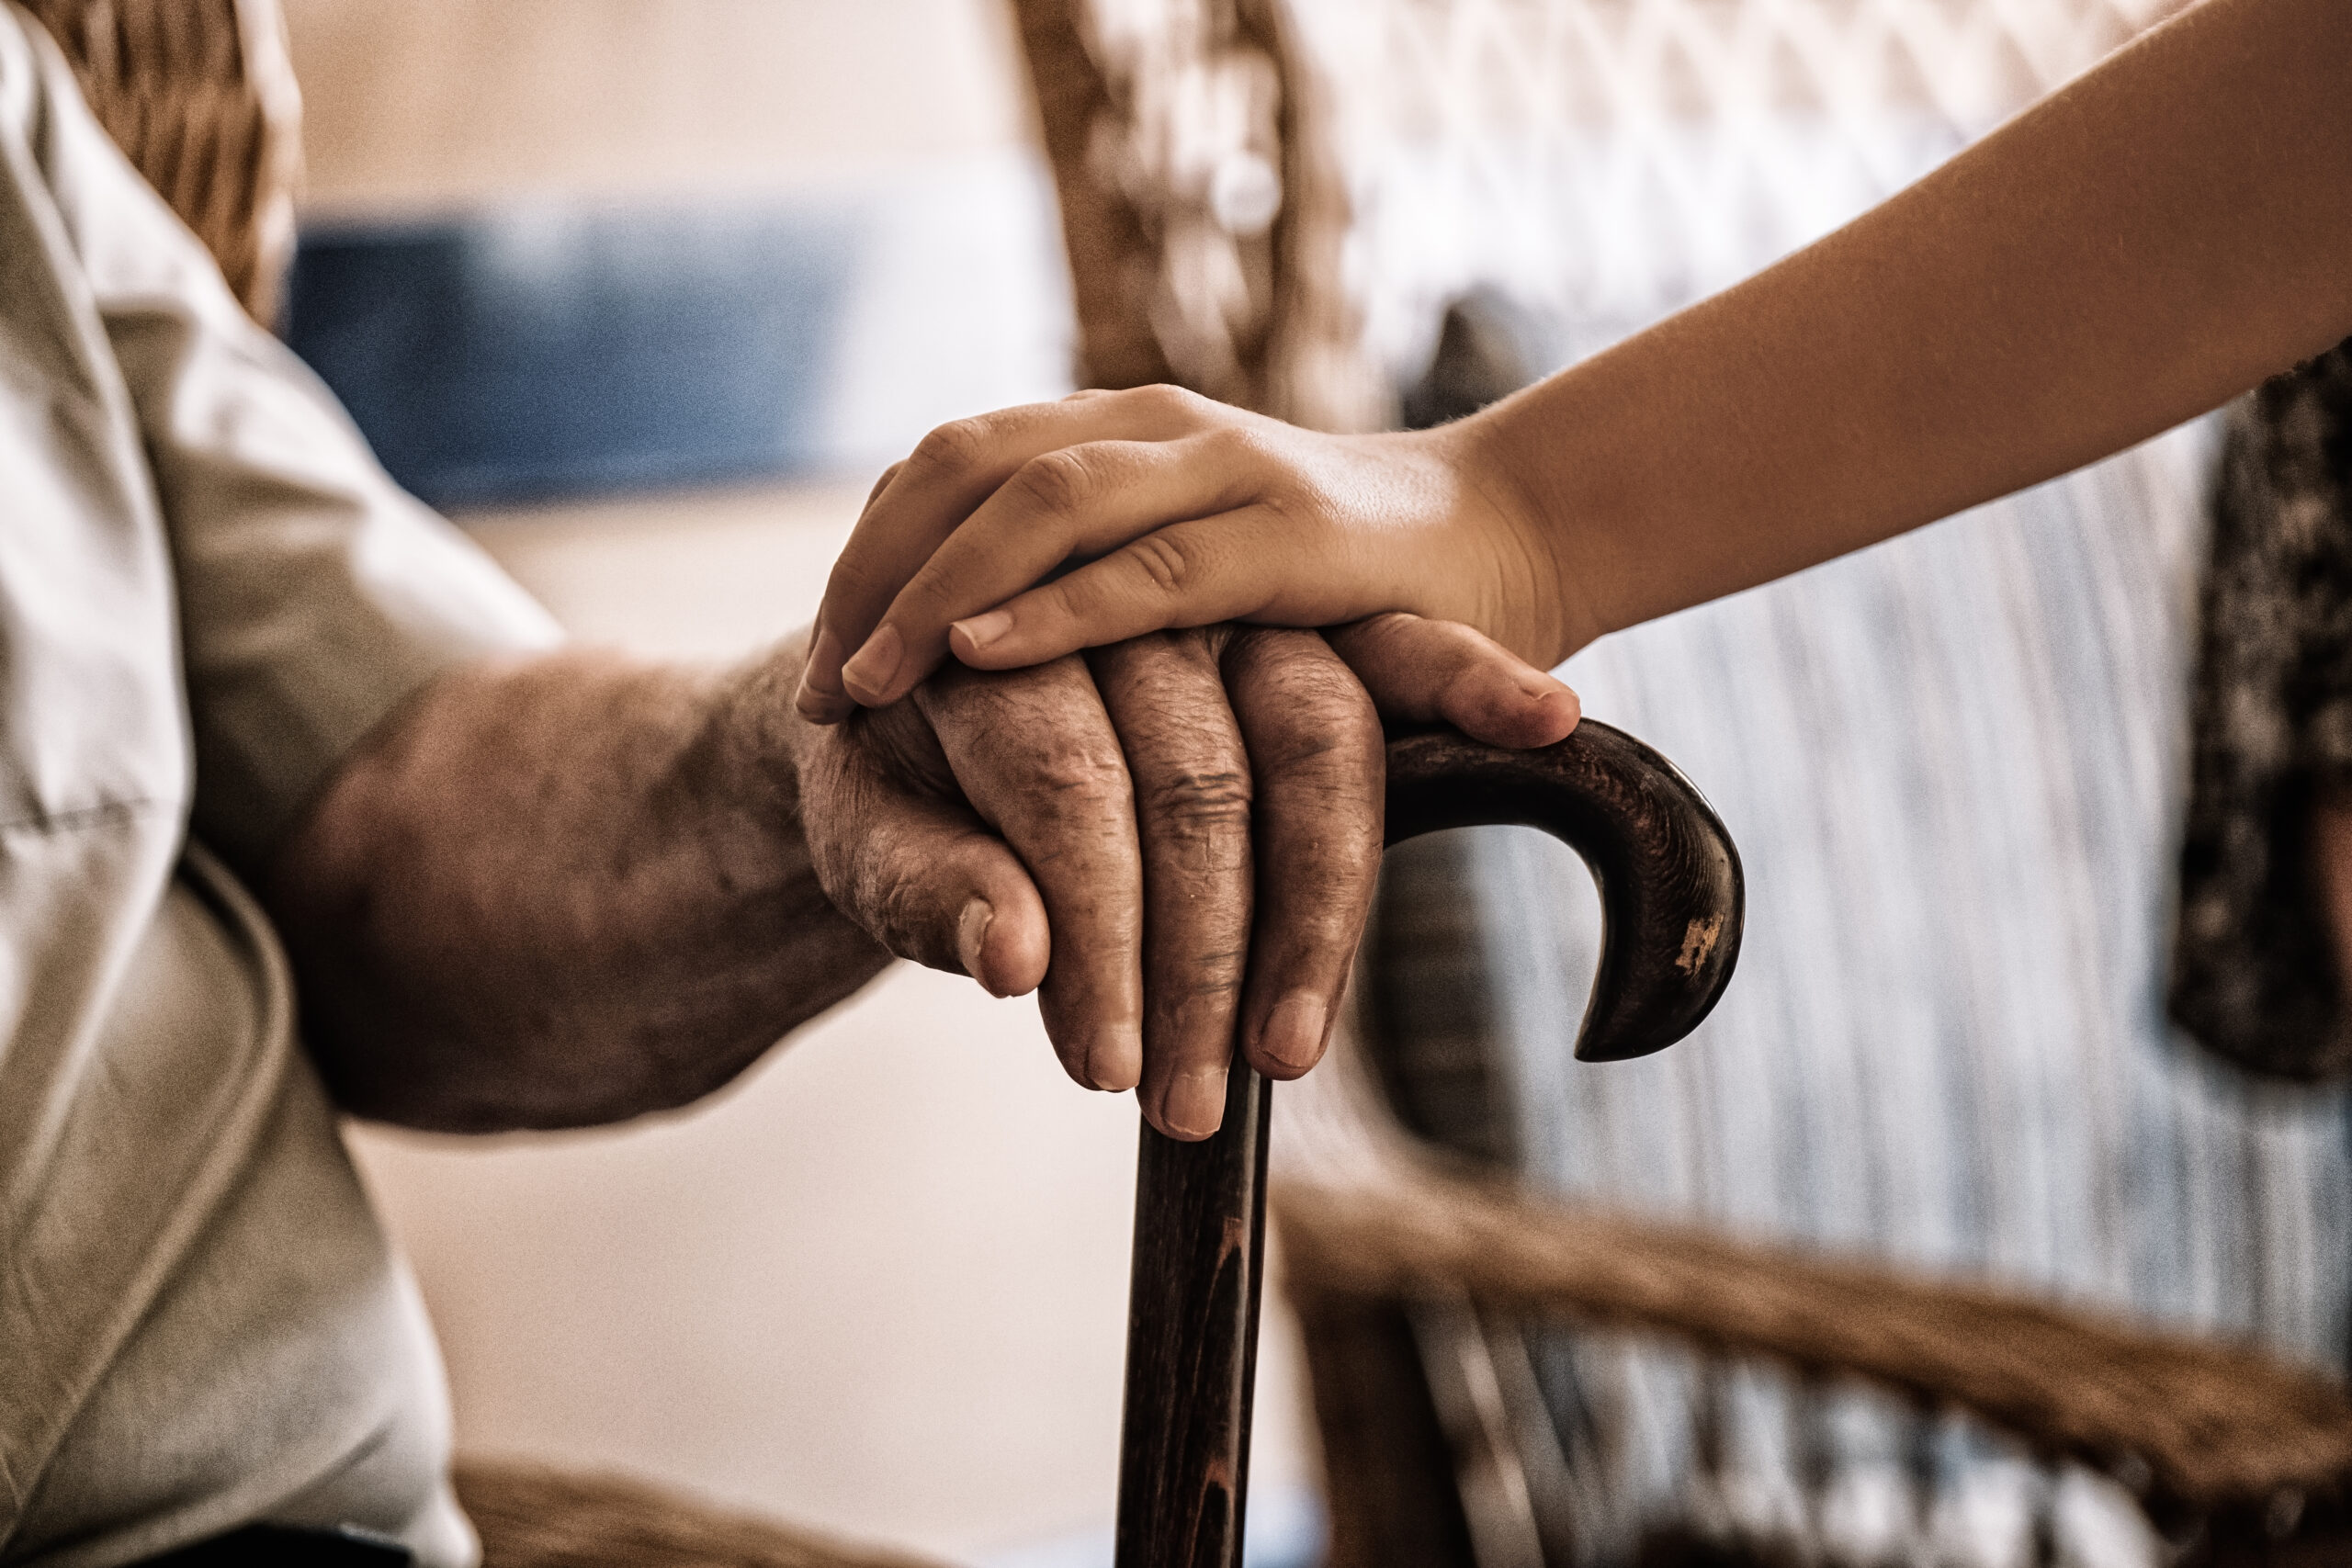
(1171, 511)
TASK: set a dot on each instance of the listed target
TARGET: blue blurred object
(1284, 1529)
(541, 353)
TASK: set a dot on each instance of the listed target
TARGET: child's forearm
(2129, 253)
(2165, 232)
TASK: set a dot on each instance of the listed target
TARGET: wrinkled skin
(1199, 812)
(578, 887)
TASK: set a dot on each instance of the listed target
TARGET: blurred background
(645, 292)
(569, 246)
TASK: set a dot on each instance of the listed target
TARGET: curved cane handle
(1672, 898)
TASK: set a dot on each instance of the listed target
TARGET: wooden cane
(1671, 900)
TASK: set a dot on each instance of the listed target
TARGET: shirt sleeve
(314, 594)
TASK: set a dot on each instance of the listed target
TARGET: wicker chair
(1220, 249)
(201, 97)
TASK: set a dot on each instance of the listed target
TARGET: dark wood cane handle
(1672, 901)
(1672, 898)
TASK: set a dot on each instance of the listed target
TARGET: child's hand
(1183, 513)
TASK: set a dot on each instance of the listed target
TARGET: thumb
(929, 881)
(1424, 671)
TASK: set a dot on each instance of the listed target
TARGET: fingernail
(819, 710)
(1554, 700)
(1293, 1031)
(982, 630)
(819, 694)
(1115, 1062)
(971, 936)
(1194, 1103)
(869, 674)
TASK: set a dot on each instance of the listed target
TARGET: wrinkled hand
(1183, 513)
(1173, 841)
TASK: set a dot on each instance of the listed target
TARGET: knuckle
(1168, 398)
(1240, 446)
(1056, 482)
(951, 448)
(1080, 776)
(1460, 669)
(1297, 506)
(1165, 561)
(1201, 800)
(892, 472)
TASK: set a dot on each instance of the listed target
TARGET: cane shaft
(1192, 1338)
(1672, 902)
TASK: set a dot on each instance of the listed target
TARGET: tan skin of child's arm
(2133, 252)
(2164, 233)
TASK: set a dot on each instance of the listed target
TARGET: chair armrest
(2197, 1424)
(532, 1516)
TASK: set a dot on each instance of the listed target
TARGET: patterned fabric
(1954, 768)
(2254, 976)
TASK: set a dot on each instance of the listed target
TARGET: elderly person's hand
(1218, 792)
(577, 887)
(1196, 817)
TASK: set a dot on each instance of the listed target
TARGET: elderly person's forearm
(559, 892)
(576, 887)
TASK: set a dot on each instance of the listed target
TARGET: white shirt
(208, 593)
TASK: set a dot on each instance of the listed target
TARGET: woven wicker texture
(1611, 159)
(1199, 206)
(199, 93)
(2207, 1424)
(529, 1516)
(2213, 1437)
